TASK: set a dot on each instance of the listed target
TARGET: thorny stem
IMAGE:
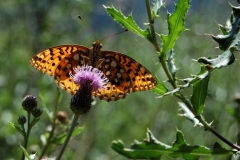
(171, 80)
(161, 58)
(69, 134)
(157, 47)
(208, 127)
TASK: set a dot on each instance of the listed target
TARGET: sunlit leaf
(230, 34)
(26, 153)
(170, 62)
(151, 148)
(156, 7)
(223, 29)
(188, 114)
(127, 22)
(160, 89)
(189, 82)
(223, 60)
(175, 25)
(17, 128)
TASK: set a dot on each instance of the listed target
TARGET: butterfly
(124, 73)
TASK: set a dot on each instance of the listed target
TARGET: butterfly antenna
(87, 27)
(114, 34)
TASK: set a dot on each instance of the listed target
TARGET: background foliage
(28, 27)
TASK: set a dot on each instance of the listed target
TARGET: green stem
(173, 83)
(151, 24)
(69, 134)
(157, 47)
(26, 137)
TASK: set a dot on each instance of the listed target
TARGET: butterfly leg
(86, 60)
(100, 62)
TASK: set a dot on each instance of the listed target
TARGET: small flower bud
(33, 149)
(21, 120)
(29, 102)
(81, 101)
(62, 116)
(37, 112)
(237, 98)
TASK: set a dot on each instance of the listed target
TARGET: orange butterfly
(124, 73)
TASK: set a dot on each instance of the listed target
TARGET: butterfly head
(97, 46)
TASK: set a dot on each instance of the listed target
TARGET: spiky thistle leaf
(127, 22)
(175, 25)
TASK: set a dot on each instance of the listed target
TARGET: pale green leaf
(127, 22)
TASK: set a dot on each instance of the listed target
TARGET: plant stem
(26, 137)
(157, 47)
(151, 24)
(69, 134)
(208, 127)
(173, 83)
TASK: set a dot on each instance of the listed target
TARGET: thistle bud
(21, 120)
(29, 102)
(81, 101)
(37, 112)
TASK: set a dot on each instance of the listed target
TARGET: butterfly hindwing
(125, 75)
(119, 82)
(138, 77)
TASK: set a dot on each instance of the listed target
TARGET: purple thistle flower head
(89, 79)
(93, 76)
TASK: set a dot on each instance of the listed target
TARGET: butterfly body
(124, 73)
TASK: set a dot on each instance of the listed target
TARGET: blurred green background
(27, 27)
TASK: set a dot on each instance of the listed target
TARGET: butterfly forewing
(124, 73)
(48, 60)
(58, 62)
(70, 61)
(119, 82)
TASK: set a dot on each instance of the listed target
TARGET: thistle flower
(88, 74)
(89, 79)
